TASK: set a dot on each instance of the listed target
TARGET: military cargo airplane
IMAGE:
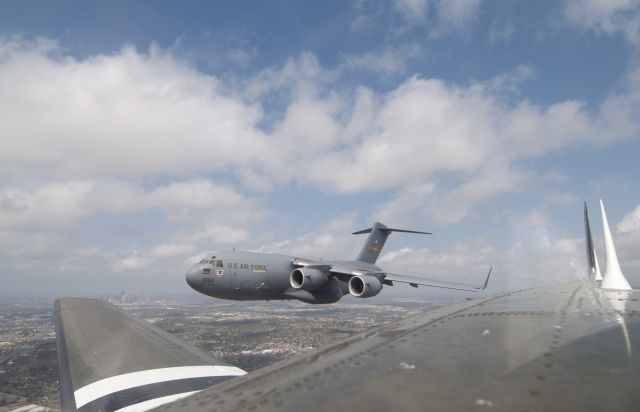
(265, 276)
(567, 347)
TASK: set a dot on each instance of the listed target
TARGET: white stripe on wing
(98, 389)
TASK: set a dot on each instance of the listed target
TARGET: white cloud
(630, 222)
(451, 206)
(413, 9)
(331, 240)
(501, 31)
(295, 129)
(455, 15)
(627, 242)
(133, 262)
(611, 17)
(127, 133)
(136, 115)
(517, 265)
(58, 205)
(387, 61)
(172, 250)
(451, 15)
(145, 113)
(302, 75)
(426, 127)
(219, 234)
(34, 224)
(49, 207)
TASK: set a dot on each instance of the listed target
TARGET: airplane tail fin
(613, 277)
(593, 268)
(378, 235)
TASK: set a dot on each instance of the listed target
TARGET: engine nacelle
(364, 286)
(307, 279)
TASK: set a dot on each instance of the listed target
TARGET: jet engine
(307, 279)
(364, 286)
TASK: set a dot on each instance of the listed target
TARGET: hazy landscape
(245, 334)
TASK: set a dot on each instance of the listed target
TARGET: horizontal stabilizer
(388, 229)
(378, 235)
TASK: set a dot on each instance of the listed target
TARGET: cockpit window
(213, 262)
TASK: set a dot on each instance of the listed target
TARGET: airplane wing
(569, 347)
(347, 271)
(311, 264)
(109, 360)
(415, 281)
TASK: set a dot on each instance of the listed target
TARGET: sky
(137, 137)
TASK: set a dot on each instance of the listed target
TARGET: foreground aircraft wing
(109, 360)
(569, 347)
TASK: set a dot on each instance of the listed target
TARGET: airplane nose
(194, 276)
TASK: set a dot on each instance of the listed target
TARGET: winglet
(592, 258)
(486, 281)
(613, 277)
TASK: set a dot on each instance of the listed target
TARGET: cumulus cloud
(415, 9)
(501, 31)
(302, 76)
(330, 240)
(147, 113)
(426, 126)
(195, 201)
(515, 266)
(133, 262)
(455, 14)
(611, 17)
(450, 15)
(52, 206)
(172, 249)
(630, 222)
(132, 132)
(533, 258)
(142, 115)
(387, 61)
(34, 224)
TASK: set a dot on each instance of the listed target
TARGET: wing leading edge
(415, 281)
(110, 361)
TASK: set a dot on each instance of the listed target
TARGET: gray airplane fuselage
(263, 276)
(266, 276)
